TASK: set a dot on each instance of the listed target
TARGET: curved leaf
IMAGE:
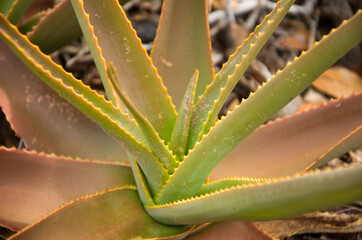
(95, 107)
(156, 145)
(183, 45)
(104, 23)
(278, 198)
(57, 28)
(210, 103)
(17, 10)
(292, 144)
(33, 184)
(44, 120)
(258, 108)
(5, 6)
(31, 56)
(113, 214)
(29, 23)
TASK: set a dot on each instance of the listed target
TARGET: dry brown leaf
(339, 82)
(298, 41)
(317, 222)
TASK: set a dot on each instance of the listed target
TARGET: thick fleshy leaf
(209, 104)
(17, 10)
(113, 214)
(29, 23)
(5, 6)
(258, 108)
(228, 183)
(351, 141)
(287, 146)
(182, 125)
(156, 145)
(44, 120)
(111, 38)
(56, 29)
(41, 65)
(103, 113)
(33, 184)
(141, 183)
(182, 45)
(278, 198)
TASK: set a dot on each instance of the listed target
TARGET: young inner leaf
(180, 132)
(157, 146)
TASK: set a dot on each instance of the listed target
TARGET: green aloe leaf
(32, 21)
(44, 120)
(182, 126)
(292, 144)
(33, 57)
(111, 39)
(156, 144)
(258, 108)
(210, 103)
(17, 10)
(228, 183)
(57, 28)
(141, 183)
(5, 6)
(99, 110)
(278, 198)
(183, 45)
(108, 210)
(45, 182)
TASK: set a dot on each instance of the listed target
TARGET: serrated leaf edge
(72, 202)
(66, 158)
(220, 191)
(249, 45)
(112, 111)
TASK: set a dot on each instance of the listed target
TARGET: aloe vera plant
(134, 167)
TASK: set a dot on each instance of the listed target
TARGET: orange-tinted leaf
(290, 145)
(33, 184)
(46, 121)
(114, 214)
(182, 45)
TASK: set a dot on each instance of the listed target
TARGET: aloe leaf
(5, 6)
(180, 131)
(17, 10)
(108, 211)
(258, 108)
(96, 111)
(209, 104)
(351, 141)
(182, 45)
(111, 38)
(45, 121)
(278, 198)
(32, 21)
(292, 144)
(44, 182)
(156, 144)
(228, 183)
(141, 183)
(31, 54)
(57, 28)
